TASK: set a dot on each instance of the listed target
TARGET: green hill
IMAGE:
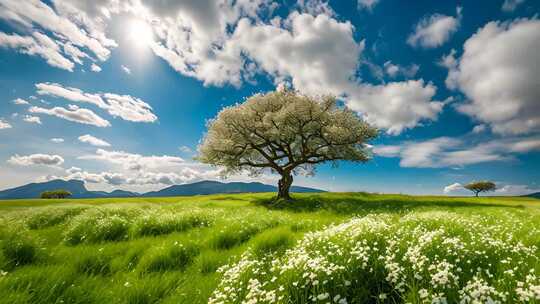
(324, 247)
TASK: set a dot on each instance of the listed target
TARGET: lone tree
(287, 133)
(481, 186)
(60, 193)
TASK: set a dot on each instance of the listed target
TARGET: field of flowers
(323, 248)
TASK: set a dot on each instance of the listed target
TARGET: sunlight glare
(140, 33)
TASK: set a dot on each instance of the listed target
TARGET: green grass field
(323, 248)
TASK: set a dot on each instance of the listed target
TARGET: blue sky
(118, 94)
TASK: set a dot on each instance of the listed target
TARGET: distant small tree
(287, 133)
(59, 193)
(481, 186)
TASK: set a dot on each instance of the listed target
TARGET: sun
(140, 33)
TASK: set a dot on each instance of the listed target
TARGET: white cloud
(57, 140)
(453, 152)
(74, 113)
(126, 69)
(393, 70)
(32, 119)
(435, 30)
(498, 74)
(311, 56)
(36, 159)
(95, 68)
(94, 141)
(453, 188)
(222, 42)
(515, 190)
(479, 129)
(20, 101)
(185, 149)
(511, 5)
(39, 45)
(367, 4)
(137, 162)
(315, 7)
(4, 124)
(124, 106)
(65, 22)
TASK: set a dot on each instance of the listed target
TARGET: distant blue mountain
(535, 195)
(77, 188)
(213, 187)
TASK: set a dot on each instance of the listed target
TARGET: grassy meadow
(322, 248)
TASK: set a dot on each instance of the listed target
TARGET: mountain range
(78, 189)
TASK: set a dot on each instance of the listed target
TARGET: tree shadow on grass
(363, 203)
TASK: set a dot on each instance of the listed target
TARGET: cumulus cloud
(455, 187)
(74, 113)
(32, 119)
(394, 70)
(124, 106)
(498, 74)
(94, 141)
(39, 45)
(479, 129)
(126, 69)
(454, 152)
(95, 68)
(57, 140)
(435, 30)
(185, 149)
(367, 4)
(133, 161)
(229, 43)
(36, 159)
(515, 190)
(20, 101)
(311, 55)
(511, 5)
(4, 124)
(69, 27)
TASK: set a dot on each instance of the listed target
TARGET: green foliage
(210, 261)
(481, 186)
(50, 216)
(273, 241)
(286, 132)
(18, 249)
(163, 222)
(93, 264)
(59, 193)
(97, 225)
(175, 256)
(301, 237)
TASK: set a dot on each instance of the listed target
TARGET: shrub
(18, 249)
(239, 232)
(97, 225)
(50, 216)
(176, 256)
(431, 257)
(156, 223)
(210, 261)
(93, 264)
(273, 241)
(59, 193)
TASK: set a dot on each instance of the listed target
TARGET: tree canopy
(480, 186)
(59, 193)
(287, 133)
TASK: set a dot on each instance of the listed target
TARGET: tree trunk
(477, 193)
(284, 185)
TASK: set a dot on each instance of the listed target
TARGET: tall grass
(322, 248)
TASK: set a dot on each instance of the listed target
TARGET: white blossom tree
(287, 133)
